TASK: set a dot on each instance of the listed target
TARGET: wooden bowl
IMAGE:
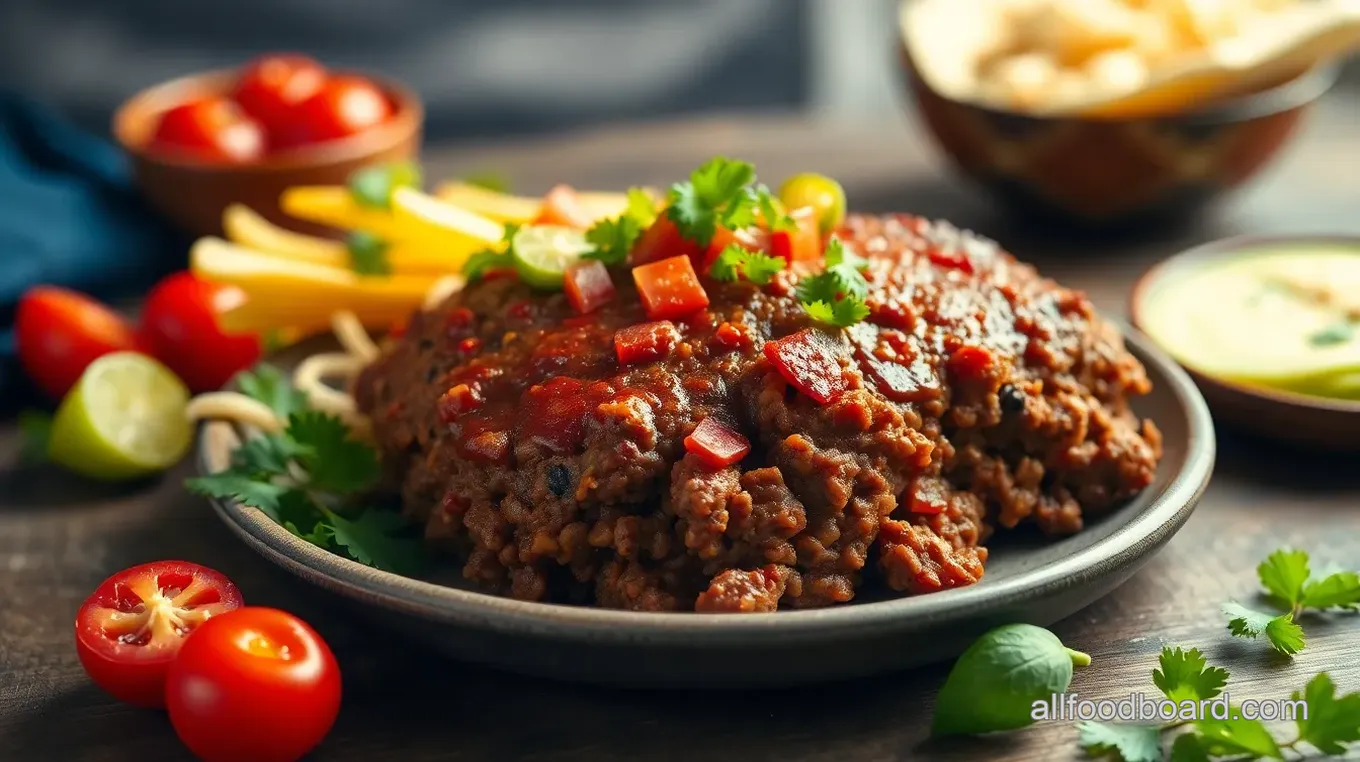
(193, 192)
(1297, 419)
(1104, 171)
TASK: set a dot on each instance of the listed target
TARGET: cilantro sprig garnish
(372, 186)
(492, 259)
(613, 238)
(836, 295)
(367, 253)
(775, 219)
(736, 261)
(312, 478)
(717, 193)
(1290, 584)
(1184, 677)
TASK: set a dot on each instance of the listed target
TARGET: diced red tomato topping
(970, 361)
(803, 243)
(716, 445)
(456, 401)
(663, 240)
(645, 342)
(807, 360)
(669, 288)
(927, 495)
(588, 285)
(952, 260)
(561, 206)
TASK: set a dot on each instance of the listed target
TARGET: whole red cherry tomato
(211, 128)
(180, 328)
(254, 684)
(130, 629)
(272, 86)
(345, 105)
(60, 332)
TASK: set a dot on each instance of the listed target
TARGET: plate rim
(1140, 536)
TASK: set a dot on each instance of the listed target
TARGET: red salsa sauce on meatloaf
(976, 395)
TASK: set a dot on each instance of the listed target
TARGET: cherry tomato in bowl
(213, 128)
(130, 629)
(254, 684)
(271, 87)
(60, 332)
(180, 328)
(344, 106)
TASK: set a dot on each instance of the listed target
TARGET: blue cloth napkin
(70, 216)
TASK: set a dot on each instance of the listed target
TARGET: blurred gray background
(485, 67)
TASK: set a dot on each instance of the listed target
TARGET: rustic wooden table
(59, 537)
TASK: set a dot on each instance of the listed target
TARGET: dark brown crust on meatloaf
(557, 474)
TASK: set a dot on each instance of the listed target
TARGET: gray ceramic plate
(1027, 580)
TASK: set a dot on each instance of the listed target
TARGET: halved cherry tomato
(803, 243)
(180, 328)
(588, 285)
(211, 128)
(716, 445)
(129, 631)
(807, 360)
(562, 206)
(60, 332)
(661, 240)
(272, 86)
(645, 342)
(254, 684)
(344, 105)
(669, 288)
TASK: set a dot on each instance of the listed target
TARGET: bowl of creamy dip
(984, 76)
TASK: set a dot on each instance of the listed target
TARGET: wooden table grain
(60, 537)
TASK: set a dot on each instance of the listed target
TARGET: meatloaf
(977, 395)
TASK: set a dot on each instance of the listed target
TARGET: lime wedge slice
(123, 420)
(542, 253)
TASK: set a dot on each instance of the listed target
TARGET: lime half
(542, 253)
(123, 420)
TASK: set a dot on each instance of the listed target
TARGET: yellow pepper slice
(334, 205)
(426, 221)
(501, 207)
(282, 292)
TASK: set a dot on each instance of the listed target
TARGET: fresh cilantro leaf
(613, 239)
(1237, 736)
(371, 538)
(836, 255)
(842, 313)
(367, 253)
(1133, 743)
(266, 383)
(492, 181)
(491, 259)
(1284, 634)
(298, 509)
(716, 192)
(1188, 748)
(736, 261)
(228, 485)
(319, 535)
(334, 461)
(35, 434)
(1184, 675)
(1337, 590)
(1283, 575)
(265, 456)
(641, 207)
(373, 186)
(1331, 720)
(775, 219)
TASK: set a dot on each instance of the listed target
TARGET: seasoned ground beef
(977, 395)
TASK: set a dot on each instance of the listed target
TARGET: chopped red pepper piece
(662, 240)
(970, 361)
(588, 285)
(716, 445)
(645, 342)
(669, 288)
(803, 243)
(952, 260)
(456, 401)
(561, 206)
(807, 360)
